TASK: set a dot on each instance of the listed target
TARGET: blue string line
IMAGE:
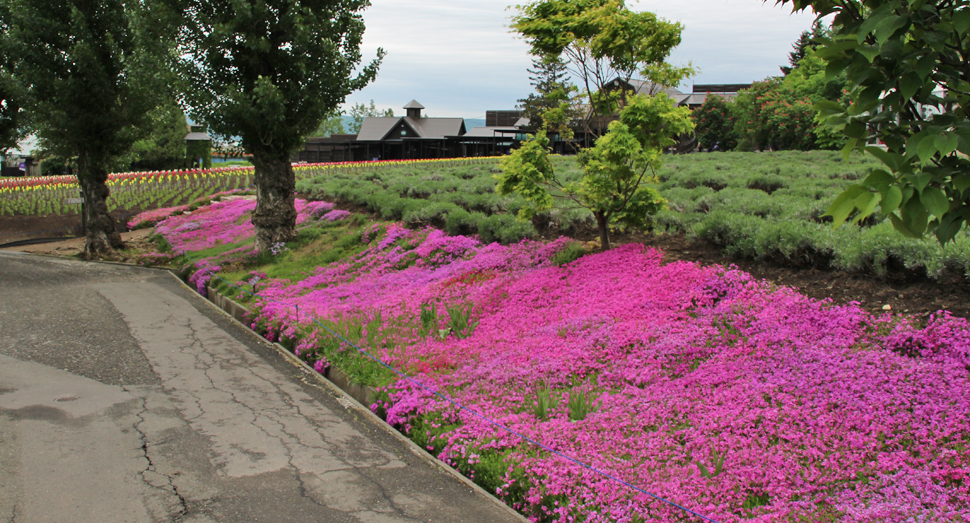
(462, 407)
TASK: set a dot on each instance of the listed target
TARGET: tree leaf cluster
(601, 41)
(617, 170)
(906, 66)
(270, 72)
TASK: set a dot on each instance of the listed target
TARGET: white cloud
(458, 58)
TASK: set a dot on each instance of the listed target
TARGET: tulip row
(140, 191)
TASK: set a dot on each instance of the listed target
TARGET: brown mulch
(902, 293)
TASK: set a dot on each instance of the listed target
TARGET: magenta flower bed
(729, 396)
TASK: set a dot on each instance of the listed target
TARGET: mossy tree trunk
(275, 214)
(101, 230)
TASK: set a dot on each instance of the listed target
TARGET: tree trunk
(275, 215)
(604, 227)
(101, 230)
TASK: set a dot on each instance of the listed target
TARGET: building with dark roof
(408, 137)
(415, 136)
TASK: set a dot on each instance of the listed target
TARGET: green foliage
(570, 253)
(552, 107)
(905, 64)
(90, 83)
(429, 319)
(333, 123)
(13, 123)
(360, 111)
(581, 404)
(601, 41)
(714, 125)
(271, 72)
(724, 199)
(615, 170)
(161, 144)
(544, 403)
(459, 321)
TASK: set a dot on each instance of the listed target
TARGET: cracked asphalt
(125, 397)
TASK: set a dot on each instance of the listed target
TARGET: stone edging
(362, 393)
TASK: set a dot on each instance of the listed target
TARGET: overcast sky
(458, 58)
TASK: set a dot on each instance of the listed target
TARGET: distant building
(408, 137)
(692, 100)
(415, 136)
(21, 161)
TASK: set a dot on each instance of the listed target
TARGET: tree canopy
(87, 71)
(601, 41)
(269, 72)
(617, 170)
(12, 117)
(906, 69)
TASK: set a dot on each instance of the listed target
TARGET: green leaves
(616, 170)
(905, 67)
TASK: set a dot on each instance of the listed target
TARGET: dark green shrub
(461, 222)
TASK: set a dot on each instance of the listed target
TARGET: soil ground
(902, 294)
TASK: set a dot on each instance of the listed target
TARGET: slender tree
(83, 69)
(269, 72)
(360, 111)
(552, 87)
(601, 41)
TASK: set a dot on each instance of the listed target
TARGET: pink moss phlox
(738, 399)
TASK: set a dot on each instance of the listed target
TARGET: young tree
(906, 68)
(616, 170)
(269, 72)
(360, 111)
(552, 87)
(83, 68)
(601, 41)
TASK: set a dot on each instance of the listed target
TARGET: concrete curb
(361, 393)
(337, 382)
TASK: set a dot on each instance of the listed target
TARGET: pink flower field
(736, 399)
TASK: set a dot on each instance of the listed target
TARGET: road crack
(168, 486)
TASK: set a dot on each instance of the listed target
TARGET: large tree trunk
(101, 230)
(604, 226)
(275, 215)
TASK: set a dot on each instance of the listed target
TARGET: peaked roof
(413, 104)
(376, 129)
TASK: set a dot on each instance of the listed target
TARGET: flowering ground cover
(732, 397)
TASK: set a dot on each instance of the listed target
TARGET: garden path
(124, 396)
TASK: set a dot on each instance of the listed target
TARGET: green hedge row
(762, 206)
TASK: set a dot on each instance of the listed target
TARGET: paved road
(124, 397)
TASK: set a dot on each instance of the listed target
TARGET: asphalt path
(126, 397)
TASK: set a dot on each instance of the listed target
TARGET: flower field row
(139, 191)
(735, 398)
